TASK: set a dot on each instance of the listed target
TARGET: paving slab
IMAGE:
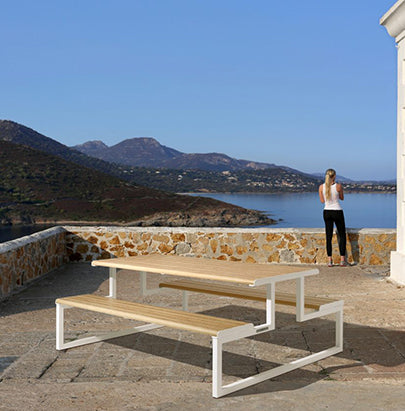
(168, 369)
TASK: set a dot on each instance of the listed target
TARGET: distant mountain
(93, 148)
(148, 152)
(40, 187)
(140, 151)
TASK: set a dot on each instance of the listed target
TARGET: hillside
(39, 187)
(19, 134)
(270, 180)
(170, 170)
(148, 152)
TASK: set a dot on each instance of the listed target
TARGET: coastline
(233, 216)
(285, 192)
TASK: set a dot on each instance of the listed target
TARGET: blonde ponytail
(329, 177)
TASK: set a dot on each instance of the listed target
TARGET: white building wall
(401, 149)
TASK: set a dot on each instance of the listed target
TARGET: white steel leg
(60, 338)
(216, 367)
(300, 297)
(142, 278)
(144, 287)
(59, 326)
(270, 306)
(274, 372)
(113, 283)
(219, 390)
(108, 336)
(339, 329)
(185, 300)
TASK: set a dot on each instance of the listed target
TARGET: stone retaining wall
(258, 245)
(29, 257)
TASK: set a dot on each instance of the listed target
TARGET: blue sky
(307, 84)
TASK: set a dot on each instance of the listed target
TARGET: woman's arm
(321, 197)
(339, 189)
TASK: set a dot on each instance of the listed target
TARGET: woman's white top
(333, 203)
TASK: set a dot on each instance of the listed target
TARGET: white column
(398, 257)
(394, 22)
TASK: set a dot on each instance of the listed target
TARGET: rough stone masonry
(30, 257)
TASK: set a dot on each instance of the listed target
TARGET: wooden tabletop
(208, 269)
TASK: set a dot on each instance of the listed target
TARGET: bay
(304, 210)
(291, 210)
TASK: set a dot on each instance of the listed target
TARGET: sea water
(300, 210)
(361, 210)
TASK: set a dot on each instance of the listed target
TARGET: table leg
(339, 329)
(113, 283)
(270, 306)
(185, 300)
(216, 367)
(144, 288)
(300, 310)
(142, 279)
(60, 336)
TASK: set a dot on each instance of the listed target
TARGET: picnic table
(217, 277)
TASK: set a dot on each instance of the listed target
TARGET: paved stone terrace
(171, 370)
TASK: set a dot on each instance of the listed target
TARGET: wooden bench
(233, 291)
(221, 330)
(178, 319)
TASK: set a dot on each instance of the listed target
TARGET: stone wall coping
(363, 231)
(32, 238)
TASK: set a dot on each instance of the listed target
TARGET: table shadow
(381, 350)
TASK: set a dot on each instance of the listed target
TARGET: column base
(397, 271)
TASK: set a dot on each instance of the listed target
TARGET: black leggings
(337, 217)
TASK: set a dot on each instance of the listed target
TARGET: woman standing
(330, 193)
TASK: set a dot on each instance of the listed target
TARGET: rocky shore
(216, 217)
(232, 217)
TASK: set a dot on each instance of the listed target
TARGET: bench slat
(182, 320)
(243, 293)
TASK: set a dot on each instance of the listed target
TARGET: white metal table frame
(218, 389)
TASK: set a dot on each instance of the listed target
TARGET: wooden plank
(243, 293)
(183, 320)
(208, 269)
